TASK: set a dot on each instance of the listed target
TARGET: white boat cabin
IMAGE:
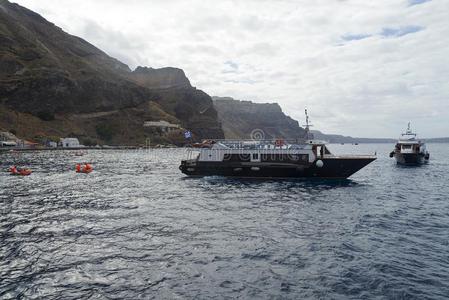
(260, 151)
(409, 144)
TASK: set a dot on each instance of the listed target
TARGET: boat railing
(262, 141)
(267, 144)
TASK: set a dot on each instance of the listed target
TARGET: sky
(361, 68)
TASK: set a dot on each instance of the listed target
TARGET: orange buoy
(19, 172)
(85, 168)
(13, 170)
(25, 172)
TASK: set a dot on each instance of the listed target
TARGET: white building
(69, 143)
(7, 139)
(8, 143)
(163, 126)
(52, 144)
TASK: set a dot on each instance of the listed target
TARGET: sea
(137, 228)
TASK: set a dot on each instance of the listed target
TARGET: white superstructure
(409, 149)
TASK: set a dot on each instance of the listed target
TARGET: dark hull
(410, 158)
(338, 167)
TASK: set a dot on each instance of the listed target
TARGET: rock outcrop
(175, 94)
(50, 74)
(163, 78)
(246, 120)
(45, 68)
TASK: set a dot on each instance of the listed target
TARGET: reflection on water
(138, 228)
(280, 185)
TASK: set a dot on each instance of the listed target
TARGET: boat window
(243, 157)
(406, 146)
(286, 158)
(236, 157)
(255, 155)
(318, 150)
(297, 157)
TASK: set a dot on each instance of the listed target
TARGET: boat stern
(188, 167)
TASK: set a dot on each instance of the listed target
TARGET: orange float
(84, 168)
(19, 172)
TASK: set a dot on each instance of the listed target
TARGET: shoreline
(15, 149)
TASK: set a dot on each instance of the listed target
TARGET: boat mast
(409, 131)
(307, 127)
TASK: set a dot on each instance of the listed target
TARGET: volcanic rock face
(180, 99)
(164, 78)
(246, 120)
(44, 69)
(197, 110)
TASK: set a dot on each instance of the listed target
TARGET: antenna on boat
(307, 125)
(408, 131)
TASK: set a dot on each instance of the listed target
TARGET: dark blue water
(136, 228)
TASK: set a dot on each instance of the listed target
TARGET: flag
(188, 134)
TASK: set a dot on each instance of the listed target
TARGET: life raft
(84, 168)
(19, 172)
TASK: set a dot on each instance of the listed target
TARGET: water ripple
(137, 228)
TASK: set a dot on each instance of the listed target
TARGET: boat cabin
(408, 144)
(410, 150)
(260, 151)
(408, 147)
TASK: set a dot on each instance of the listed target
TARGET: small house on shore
(52, 144)
(161, 127)
(7, 139)
(69, 143)
(8, 144)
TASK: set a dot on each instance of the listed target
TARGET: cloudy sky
(362, 68)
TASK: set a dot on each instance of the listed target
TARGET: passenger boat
(409, 150)
(307, 158)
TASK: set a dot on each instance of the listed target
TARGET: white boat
(409, 150)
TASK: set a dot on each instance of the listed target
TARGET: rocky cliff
(50, 77)
(178, 98)
(245, 120)
(163, 78)
(44, 68)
